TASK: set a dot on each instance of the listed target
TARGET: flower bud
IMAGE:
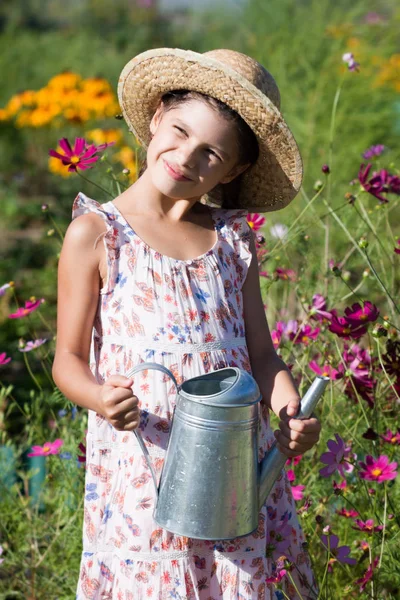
(45, 207)
(346, 275)
(363, 243)
(379, 331)
(50, 232)
(119, 117)
(325, 169)
(319, 519)
(366, 273)
(126, 172)
(260, 238)
(350, 198)
(336, 271)
(318, 185)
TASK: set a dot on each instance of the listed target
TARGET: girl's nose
(187, 156)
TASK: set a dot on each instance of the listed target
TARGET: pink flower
(335, 459)
(277, 578)
(294, 460)
(397, 250)
(367, 526)
(297, 491)
(318, 309)
(5, 287)
(339, 486)
(305, 335)
(349, 514)
(30, 306)
(255, 221)
(357, 314)
(285, 274)
(81, 156)
(340, 554)
(325, 371)
(391, 438)
(4, 359)
(378, 469)
(47, 448)
(362, 582)
(82, 457)
(380, 183)
(32, 345)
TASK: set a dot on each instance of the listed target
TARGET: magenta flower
(380, 183)
(358, 361)
(47, 448)
(378, 469)
(342, 328)
(277, 577)
(294, 460)
(30, 306)
(4, 359)
(81, 156)
(391, 359)
(366, 526)
(391, 438)
(373, 151)
(358, 315)
(32, 345)
(362, 582)
(336, 458)
(339, 553)
(276, 334)
(318, 309)
(255, 221)
(397, 250)
(339, 486)
(348, 514)
(325, 371)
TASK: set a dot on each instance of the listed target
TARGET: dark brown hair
(247, 144)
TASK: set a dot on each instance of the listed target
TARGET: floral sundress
(188, 316)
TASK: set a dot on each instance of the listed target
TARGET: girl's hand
(118, 404)
(296, 436)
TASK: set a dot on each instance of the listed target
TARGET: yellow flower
(104, 136)
(126, 156)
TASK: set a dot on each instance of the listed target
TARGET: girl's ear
(235, 172)
(155, 121)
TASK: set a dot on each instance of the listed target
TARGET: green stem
(384, 527)
(382, 285)
(56, 227)
(95, 184)
(31, 373)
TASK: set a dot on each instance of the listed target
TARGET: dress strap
(235, 229)
(112, 237)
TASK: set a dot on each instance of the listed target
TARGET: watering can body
(212, 485)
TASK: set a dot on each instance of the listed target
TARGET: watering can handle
(143, 367)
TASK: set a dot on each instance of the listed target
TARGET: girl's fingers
(119, 381)
(304, 425)
(291, 434)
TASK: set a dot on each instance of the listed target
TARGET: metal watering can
(212, 486)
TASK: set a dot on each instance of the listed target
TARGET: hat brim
(275, 179)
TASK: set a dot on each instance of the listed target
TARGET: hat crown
(250, 69)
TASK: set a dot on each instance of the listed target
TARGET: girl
(176, 282)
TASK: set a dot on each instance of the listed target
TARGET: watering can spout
(274, 460)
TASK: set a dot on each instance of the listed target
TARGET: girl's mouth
(174, 174)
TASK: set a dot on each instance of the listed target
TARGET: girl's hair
(247, 144)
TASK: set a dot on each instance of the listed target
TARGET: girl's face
(193, 148)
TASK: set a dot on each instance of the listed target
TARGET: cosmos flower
(81, 156)
(336, 458)
(362, 582)
(279, 231)
(30, 306)
(324, 371)
(380, 183)
(351, 63)
(349, 514)
(340, 553)
(373, 151)
(366, 526)
(47, 448)
(4, 359)
(318, 309)
(255, 221)
(391, 438)
(378, 469)
(357, 314)
(32, 345)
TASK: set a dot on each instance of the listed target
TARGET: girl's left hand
(296, 436)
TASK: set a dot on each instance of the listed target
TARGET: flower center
(46, 448)
(251, 224)
(376, 472)
(74, 159)
(346, 330)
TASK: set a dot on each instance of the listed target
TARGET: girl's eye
(212, 152)
(179, 129)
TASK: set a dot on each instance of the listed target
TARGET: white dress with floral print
(155, 308)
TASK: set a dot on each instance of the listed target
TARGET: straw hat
(245, 86)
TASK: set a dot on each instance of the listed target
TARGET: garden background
(329, 263)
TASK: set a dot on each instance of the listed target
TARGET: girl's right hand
(118, 404)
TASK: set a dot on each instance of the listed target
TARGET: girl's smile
(175, 173)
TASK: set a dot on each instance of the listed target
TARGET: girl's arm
(78, 297)
(272, 375)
